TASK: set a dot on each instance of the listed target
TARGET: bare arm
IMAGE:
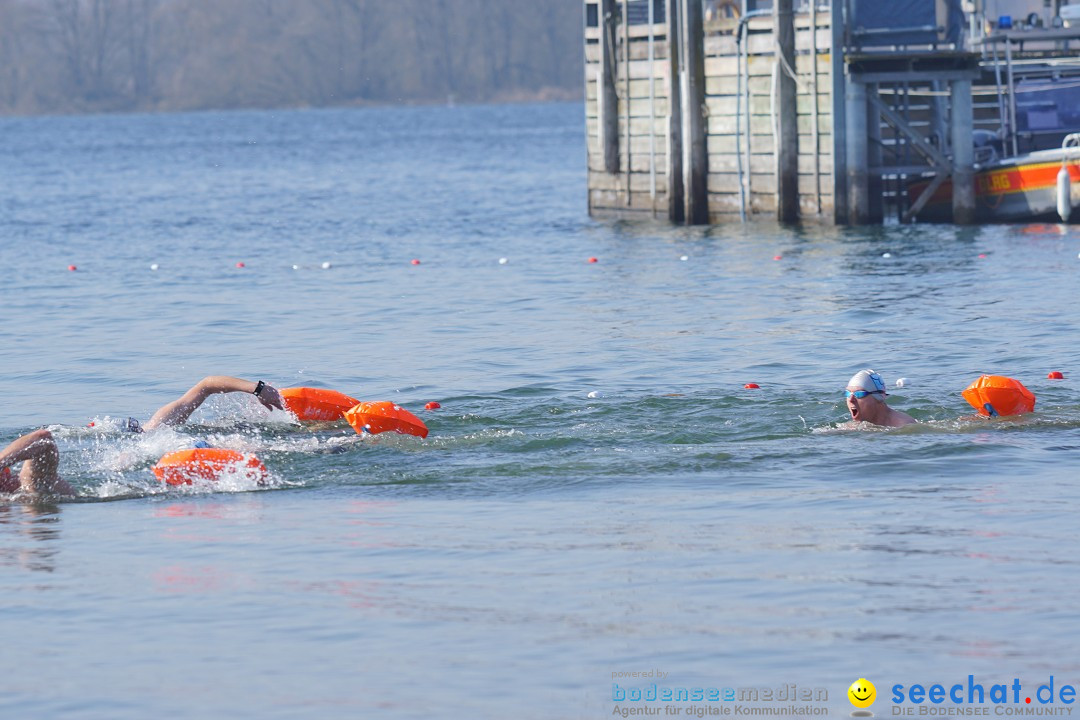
(40, 458)
(179, 410)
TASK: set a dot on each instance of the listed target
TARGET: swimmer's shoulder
(900, 419)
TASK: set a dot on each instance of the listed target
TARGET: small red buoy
(415, 262)
(752, 386)
(72, 268)
(1056, 375)
(90, 424)
(778, 257)
(240, 265)
(432, 406)
(592, 260)
(982, 256)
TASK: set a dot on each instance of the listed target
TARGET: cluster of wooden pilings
(710, 114)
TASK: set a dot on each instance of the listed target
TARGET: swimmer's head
(869, 381)
(862, 386)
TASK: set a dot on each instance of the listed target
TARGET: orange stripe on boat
(1020, 179)
(184, 466)
(384, 416)
(316, 404)
(1004, 181)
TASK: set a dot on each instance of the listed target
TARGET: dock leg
(839, 138)
(787, 151)
(963, 172)
(857, 156)
(875, 162)
(697, 159)
(607, 99)
(676, 206)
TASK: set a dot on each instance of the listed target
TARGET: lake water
(540, 541)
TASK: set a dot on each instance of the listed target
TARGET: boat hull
(1015, 190)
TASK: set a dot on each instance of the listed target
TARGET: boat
(1027, 169)
(1039, 186)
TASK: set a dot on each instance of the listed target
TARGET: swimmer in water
(866, 395)
(40, 458)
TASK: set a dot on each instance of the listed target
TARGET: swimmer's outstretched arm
(40, 458)
(178, 411)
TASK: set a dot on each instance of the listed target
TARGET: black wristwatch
(258, 388)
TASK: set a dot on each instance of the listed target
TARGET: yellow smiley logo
(862, 693)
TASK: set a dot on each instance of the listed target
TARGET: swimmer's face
(853, 404)
(861, 407)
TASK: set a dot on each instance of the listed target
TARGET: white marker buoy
(295, 267)
(326, 266)
(684, 258)
(886, 255)
(901, 382)
(153, 266)
(1064, 194)
(503, 261)
(595, 394)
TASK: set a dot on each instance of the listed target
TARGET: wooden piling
(607, 99)
(676, 204)
(695, 158)
(839, 114)
(787, 151)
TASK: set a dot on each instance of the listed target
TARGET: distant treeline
(59, 56)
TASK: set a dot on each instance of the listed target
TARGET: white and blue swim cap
(868, 380)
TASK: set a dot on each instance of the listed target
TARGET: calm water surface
(540, 539)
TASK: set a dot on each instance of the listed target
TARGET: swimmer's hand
(270, 398)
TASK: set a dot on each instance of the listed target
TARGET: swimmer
(866, 395)
(38, 453)
(40, 458)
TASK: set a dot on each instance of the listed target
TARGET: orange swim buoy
(995, 395)
(184, 466)
(316, 404)
(383, 416)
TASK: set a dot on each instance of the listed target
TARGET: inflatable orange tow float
(185, 466)
(994, 395)
(384, 416)
(316, 404)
